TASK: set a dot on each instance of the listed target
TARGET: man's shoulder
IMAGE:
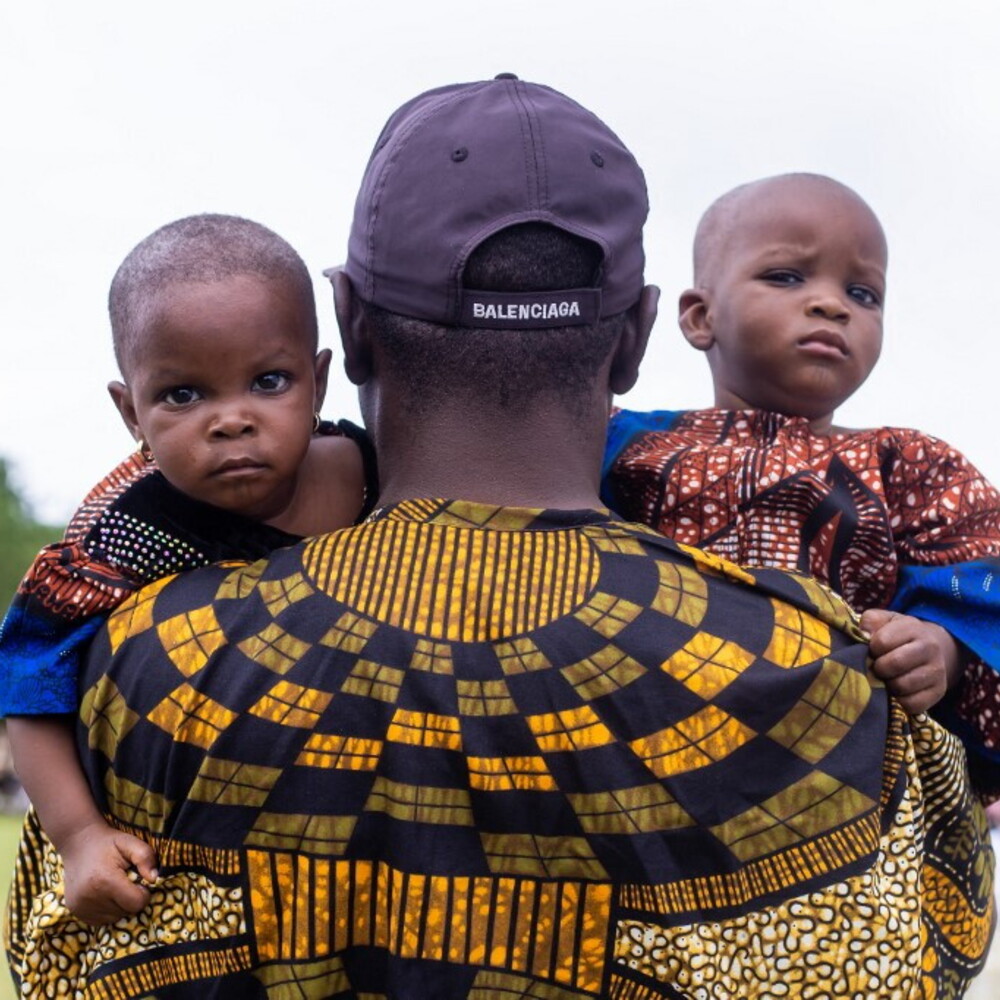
(793, 592)
(471, 572)
(219, 581)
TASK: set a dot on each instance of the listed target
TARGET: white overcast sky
(120, 116)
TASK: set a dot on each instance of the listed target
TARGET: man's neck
(516, 461)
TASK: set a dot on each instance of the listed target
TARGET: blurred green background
(21, 536)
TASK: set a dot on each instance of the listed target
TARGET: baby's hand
(918, 660)
(97, 861)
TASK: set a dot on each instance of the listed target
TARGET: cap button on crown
(506, 76)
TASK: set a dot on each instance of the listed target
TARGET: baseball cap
(459, 163)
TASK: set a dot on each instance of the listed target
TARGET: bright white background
(120, 116)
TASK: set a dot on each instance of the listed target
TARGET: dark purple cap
(459, 163)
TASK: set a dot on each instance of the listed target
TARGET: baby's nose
(232, 421)
(829, 305)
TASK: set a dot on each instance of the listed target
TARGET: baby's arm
(946, 528)
(96, 857)
(918, 660)
(61, 602)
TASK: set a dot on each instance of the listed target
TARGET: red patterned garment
(872, 513)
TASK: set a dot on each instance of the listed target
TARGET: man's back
(476, 751)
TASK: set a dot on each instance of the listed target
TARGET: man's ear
(321, 372)
(694, 318)
(121, 396)
(633, 340)
(353, 328)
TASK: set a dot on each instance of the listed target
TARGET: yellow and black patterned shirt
(467, 751)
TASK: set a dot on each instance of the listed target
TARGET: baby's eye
(865, 295)
(272, 382)
(782, 276)
(181, 395)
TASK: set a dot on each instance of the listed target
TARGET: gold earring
(144, 450)
(317, 420)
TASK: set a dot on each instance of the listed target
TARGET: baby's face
(225, 383)
(795, 304)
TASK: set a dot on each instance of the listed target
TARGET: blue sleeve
(623, 428)
(40, 661)
(964, 599)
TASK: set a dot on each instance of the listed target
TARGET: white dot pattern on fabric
(141, 548)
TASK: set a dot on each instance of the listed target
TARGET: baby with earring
(214, 327)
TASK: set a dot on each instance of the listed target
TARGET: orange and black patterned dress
(472, 752)
(889, 518)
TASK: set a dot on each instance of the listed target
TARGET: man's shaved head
(199, 249)
(726, 214)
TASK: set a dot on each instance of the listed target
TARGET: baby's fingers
(104, 895)
(98, 912)
(876, 618)
(128, 896)
(139, 855)
(917, 690)
(897, 661)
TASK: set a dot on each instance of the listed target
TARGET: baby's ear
(694, 320)
(121, 396)
(321, 371)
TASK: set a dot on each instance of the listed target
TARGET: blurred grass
(10, 830)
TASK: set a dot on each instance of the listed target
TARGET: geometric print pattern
(928, 950)
(550, 931)
(957, 878)
(410, 798)
(794, 947)
(887, 517)
(454, 583)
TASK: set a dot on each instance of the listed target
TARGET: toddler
(214, 327)
(787, 305)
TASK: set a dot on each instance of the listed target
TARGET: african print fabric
(888, 518)
(474, 752)
(132, 528)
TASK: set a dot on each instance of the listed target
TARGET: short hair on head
(717, 223)
(201, 249)
(503, 369)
